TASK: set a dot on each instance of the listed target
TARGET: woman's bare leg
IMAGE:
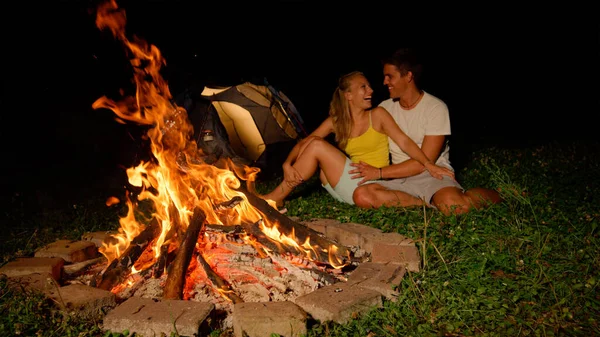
(318, 153)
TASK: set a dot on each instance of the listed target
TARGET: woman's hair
(339, 110)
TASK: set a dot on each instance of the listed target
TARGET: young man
(425, 119)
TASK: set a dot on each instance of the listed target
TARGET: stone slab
(149, 317)
(260, 319)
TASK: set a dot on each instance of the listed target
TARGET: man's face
(394, 81)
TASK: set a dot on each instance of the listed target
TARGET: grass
(526, 267)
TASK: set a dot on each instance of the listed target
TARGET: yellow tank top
(371, 147)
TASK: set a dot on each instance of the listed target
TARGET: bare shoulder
(328, 122)
(380, 114)
(325, 128)
(380, 117)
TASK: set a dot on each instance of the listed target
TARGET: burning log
(228, 204)
(301, 232)
(178, 268)
(254, 231)
(159, 267)
(120, 267)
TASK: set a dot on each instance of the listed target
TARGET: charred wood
(253, 229)
(325, 247)
(228, 204)
(233, 229)
(159, 268)
(177, 270)
(120, 267)
(75, 268)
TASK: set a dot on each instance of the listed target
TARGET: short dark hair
(406, 59)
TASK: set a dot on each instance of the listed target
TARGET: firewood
(120, 267)
(159, 267)
(177, 270)
(74, 268)
(228, 204)
(254, 231)
(287, 226)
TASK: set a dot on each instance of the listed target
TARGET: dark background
(511, 76)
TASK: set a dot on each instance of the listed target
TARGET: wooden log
(253, 230)
(159, 268)
(177, 270)
(120, 267)
(75, 268)
(287, 226)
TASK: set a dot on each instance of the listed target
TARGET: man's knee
(451, 200)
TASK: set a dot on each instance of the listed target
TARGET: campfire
(210, 237)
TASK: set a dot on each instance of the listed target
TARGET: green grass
(526, 267)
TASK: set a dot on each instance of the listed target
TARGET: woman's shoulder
(380, 112)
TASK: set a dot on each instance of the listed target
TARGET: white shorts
(344, 189)
(422, 186)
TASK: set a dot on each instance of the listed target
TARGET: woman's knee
(363, 196)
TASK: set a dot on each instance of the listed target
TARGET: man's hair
(406, 59)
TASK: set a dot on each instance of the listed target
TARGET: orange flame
(177, 180)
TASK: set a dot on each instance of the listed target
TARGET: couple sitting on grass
(411, 126)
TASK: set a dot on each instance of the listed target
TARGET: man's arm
(432, 147)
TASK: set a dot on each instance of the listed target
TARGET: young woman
(361, 132)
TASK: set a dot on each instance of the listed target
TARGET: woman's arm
(290, 175)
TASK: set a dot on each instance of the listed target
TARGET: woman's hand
(438, 171)
(291, 176)
(365, 171)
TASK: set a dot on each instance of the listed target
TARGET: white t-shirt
(429, 118)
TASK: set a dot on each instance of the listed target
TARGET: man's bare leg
(375, 196)
(451, 200)
(483, 197)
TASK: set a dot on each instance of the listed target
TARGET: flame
(177, 180)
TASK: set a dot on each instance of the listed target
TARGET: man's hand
(439, 171)
(365, 171)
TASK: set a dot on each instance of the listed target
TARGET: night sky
(510, 76)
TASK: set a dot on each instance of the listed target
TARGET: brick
(149, 317)
(320, 225)
(369, 240)
(350, 234)
(28, 265)
(70, 251)
(42, 282)
(258, 319)
(83, 301)
(381, 277)
(407, 256)
(339, 302)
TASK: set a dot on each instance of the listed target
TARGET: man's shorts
(344, 189)
(422, 186)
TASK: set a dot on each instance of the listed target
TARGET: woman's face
(360, 92)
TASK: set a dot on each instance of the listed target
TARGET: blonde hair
(339, 110)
